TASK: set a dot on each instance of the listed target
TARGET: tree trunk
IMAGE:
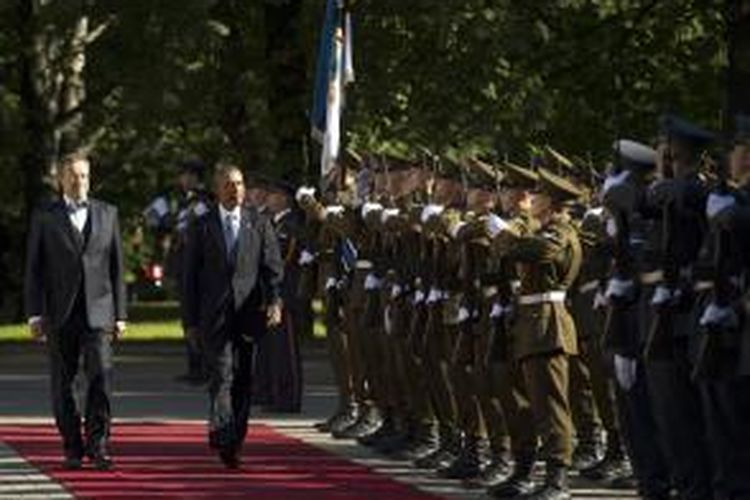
(739, 57)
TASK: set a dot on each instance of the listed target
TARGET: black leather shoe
(102, 462)
(230, 459)
(518, 484)
(72, 462)
(608, 470)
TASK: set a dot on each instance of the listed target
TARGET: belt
(652, 278)
(541, 298)
(489, 291)
(589, 286)
(364, 264)
(702, 286)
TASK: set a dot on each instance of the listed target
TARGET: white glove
(372, 282)
(625, 372)
(617, 287)
(456, 229)
(334, 210)
(388, 213)
(419, 297)
(496, 225)
(396, 291)
(715, 315)
(430, 211)
(305, 258)
(717, 203)
(614, 180)
(611, 228)
(600, 300)
(304, 192)
(463, 315)
(662, 295)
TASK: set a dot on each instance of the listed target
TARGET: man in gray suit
(75, 301)
(232, 280)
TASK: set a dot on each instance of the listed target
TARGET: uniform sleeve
(545, 246)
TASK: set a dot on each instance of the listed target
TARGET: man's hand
(119, 331)
(273, 315)
(36, 327)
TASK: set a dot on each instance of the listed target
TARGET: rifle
(660, 340)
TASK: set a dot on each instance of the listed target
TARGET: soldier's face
(480, 200)
(74, 179)
(541, 204)
(512, 199)
(230, 189)
(739, 163)
(187, 181)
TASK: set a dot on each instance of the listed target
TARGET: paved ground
(145, 391)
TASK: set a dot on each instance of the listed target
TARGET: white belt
(652, 277)
(702, 286)
(364, 264)
(589, 286)
(489, 291)
(540, 298)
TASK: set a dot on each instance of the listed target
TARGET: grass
(148, 321)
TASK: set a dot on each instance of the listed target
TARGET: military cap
(635, 155)
(485, 175)
(558, 187)
(742, 128)
(519, 177)
(559, 158)
(673, 127)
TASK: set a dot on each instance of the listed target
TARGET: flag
(334, 71)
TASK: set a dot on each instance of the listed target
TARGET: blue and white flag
(334, 71)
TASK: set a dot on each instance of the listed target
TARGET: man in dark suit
(232, 291)
(75, 301)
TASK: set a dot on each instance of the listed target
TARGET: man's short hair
(70, 159)
(223, 170)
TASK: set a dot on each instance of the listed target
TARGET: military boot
(398, 440)
(518, 484)
(555, 484)
(495, 471)
(614, 465)
(387, 428)
(468, 463)
(424, 441)
(588, 452)
(450, 444)
(345, 419)
(368, 422)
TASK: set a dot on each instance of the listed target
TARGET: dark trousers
(65, 347)
(642, 438)
(727, 404)
(676, 401)
(230, 356)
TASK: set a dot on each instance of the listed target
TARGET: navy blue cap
(677, 128)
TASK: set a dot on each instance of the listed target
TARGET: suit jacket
(211, 283)
(60, 262)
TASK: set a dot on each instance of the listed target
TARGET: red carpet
(173, 461)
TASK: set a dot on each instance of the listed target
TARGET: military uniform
(543, 334)
(635, 237)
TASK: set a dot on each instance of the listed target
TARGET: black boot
(450, 444)
(386, 429)
(518, 484)
(613, 466)
(498, 469)
(588, 452)
(398, 440)
(467, 464)
(424, 441)
(342, 418)
(368, 422)
(555, 484)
